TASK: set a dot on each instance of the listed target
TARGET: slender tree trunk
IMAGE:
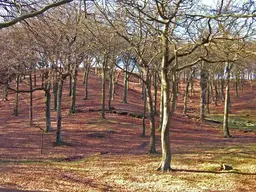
(216, 92)
(192, 91)
(86, 77)
(189, 79)
(222, 89)
(208, 96)
(161, 106)
(85, 73)
(203, 89)
(72, 109)
(5, 91)
(125, 86)
(34, 70)
(111, 95)
(211, 84)
(165, 164)
(142, 90)
(16, 102)
(70, 85)
(55, 93)
(48, 107)
(227, 100)
(113, 85)
(185, 108)
(59, 118)
(155, 92)
(103, 84)
(237, 84)
(30, 100)
(152, 145)
(242, 82)
(166, 150)
(186, 95)
(43, 79)
(144, 113)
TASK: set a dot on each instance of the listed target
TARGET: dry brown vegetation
(111, 155)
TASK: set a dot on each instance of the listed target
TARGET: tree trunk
(142, 90)
(70, 85)
(55, 93)
(34, 70)
(73, 76)
(125, 86)
(48, 107)
(165, 164)
(111, 95)
(189, 79)
(30, 100)
(59, 100)
(43, 79)
(113, 85)
(161, 106)
(227, 100)
(103, 88)
(86, 77)
(152, 145)
(5, 91)
(16, 102)
(222, 89)
(192, 91)
(208, 98)
(155, 92)
(203, 90)
(237, 84)
(144, 113)
(216, 92)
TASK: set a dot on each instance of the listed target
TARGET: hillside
(111, 155)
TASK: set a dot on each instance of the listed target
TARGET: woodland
(104, 95)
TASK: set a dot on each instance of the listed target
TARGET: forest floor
(111, 155)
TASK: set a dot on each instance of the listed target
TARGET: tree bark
(55, 93)
(110, 93)
(208, 97)
(203, 90)
(5, 91)
(155, 92)
(165, 164)
(222, 89)
(216, 92)
(125, 86)
(73, 77)
(227, 100)
(103, 86)
(70, 85)
(237, 85)
(48, 107)
(59, 118)
(86, 77)
(34, 71)
(152, 144)
(144, 112)
(189, 79)
(161, 106)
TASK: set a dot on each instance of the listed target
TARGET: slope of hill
(111, 155)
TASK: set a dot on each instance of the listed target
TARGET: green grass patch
(235, 122)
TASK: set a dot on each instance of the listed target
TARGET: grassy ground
(236, 121)
(107, 172)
